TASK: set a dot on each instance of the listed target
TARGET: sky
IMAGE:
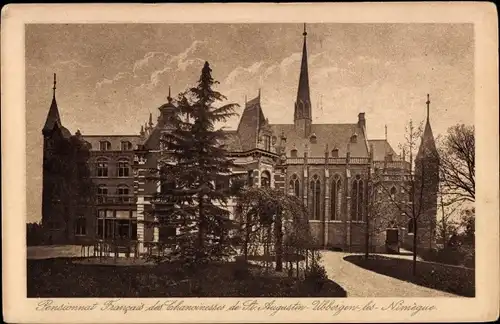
(111, 76)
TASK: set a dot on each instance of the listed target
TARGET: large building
(329, 166)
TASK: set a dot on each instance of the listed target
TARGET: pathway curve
(359, 282)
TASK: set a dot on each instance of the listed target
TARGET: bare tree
(457, 164)
(414, 184)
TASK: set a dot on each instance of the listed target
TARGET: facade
(330, 166)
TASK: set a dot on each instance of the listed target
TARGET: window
(313, 139)
(265, 179)
(102, 192)
(336, 198)
(335, 153)
(81, 226)
(354, 138)
(267, 142)
(102, 167)
(315, 202)
(357, 199)
(104, 146)
(411, 226)
(393, 193)
(123, 193)
(123, 168)
(126, 146)
(295, 186)
(293, 153)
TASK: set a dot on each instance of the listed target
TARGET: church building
(329, 166)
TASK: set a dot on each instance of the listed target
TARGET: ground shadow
(63, 277)
(455, 280)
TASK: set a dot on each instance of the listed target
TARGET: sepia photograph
(251, 162)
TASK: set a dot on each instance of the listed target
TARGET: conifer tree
(194, 161)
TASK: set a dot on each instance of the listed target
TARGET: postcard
(250, 162)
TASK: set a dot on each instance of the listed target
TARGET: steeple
(302, 114)
(53, 117)
(427, 147)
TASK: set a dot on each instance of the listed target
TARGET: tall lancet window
(295, 186)
(357, 199)
(315, 201)
(336, 197)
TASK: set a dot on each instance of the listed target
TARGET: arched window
(313, 139)
(393, 193)
(293, 153)
(104, 146)
(315, 194)
(123, 168)
(81, 226)
(102, 167)
(295, 186)
(265, 179)
(126, 146)
(357, 196)
(335, 153)
(354, 138)
(335, 197)
(102, 192)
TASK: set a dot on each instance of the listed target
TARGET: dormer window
(335, 153)
(104, 146)
(354, 138)
(293, 153)
(389, 157)
(126, 146)
(313, 139)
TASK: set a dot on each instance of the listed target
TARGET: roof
(428, 145)
(251, 120)
(115, 140)
(53, 117)
(331, 135)
(381, 148)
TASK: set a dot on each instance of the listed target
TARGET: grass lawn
(61, 277)
(452, 279)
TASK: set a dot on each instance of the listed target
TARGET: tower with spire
(302, 116)
(427, 184)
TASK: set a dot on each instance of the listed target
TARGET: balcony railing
(115, 199)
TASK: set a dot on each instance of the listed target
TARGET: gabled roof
(334, 135)
(381, 148)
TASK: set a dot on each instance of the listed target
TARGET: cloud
(71, 64)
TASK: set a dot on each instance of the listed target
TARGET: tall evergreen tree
(195, 160)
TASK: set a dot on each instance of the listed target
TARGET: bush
(240, 271)
(316, 276)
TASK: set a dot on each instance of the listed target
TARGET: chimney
(361, 120)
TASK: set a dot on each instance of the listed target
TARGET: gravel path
(359, 282)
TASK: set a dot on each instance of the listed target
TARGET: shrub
(240, 271)
(316, 276)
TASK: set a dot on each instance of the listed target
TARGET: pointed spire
(54, 87)
(53, 117)
(169, 98)
(258, 94)
(150, 119)
(245, 100)
(428, 102)
(303, 101)
(386, 132)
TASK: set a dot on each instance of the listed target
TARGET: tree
(270, 216)
(416, 184)
(457, 164)
(446, 226)
(193, 160)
